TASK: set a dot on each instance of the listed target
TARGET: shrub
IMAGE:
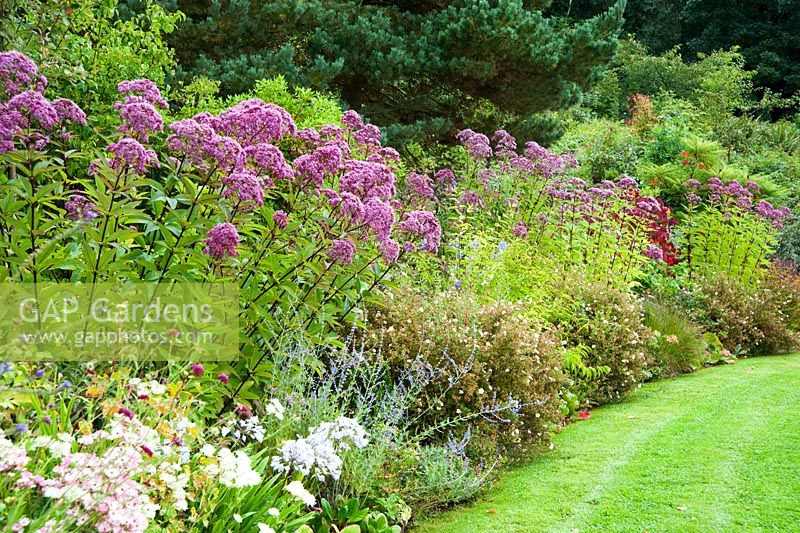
(511, 359)
(608, 323)
(678, 344)
(748, 320)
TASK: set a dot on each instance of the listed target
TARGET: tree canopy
(418, 69)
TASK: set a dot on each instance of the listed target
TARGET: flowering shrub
(608, 323)
(510, 361)
(749, 320)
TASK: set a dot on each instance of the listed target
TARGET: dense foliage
(406, 325)
(422, 70)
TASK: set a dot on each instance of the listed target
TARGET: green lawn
(717, 450)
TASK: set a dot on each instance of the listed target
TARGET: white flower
(320, 450)
(296, 489)
(237, 518)
(274, 512)
(208, 450)
(275, 408)
(264, 528)
(295, 453)
(235, 469)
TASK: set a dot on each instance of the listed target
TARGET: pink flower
(255, 121)
(280, 219)
(246, 187)
(425, 225)
(34, 106)
(270, 159)
(79, 208)
(17, 72)
(197, 369)
(390, 251)
(139, 119)
(445, 178)
(521, 230)
(420, 185)
(143, 89)
(379, 216)
(222, 241)
(352, 120)
(477, 144)
(342, 251)
(69, 110)
(129, 153)
(223, 378)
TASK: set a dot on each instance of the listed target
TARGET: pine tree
(420, 69)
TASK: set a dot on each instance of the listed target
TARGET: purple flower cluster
(776, 215)
(268, 158)
(142, 90)
(130, 154)
(425, 225)
(221, 241)
(67, 110)
(281, 219)
(342, 251)
(80, 208)
(367, 179)
(34, 106)
(654, 252)
(446, 179)
(471, 198)
(505, 143)
(27, 116)
(255, 121)
(17, 72)
(246, 187)
(521, 229)
(379, 217)
(477, 144)
(202, 146)
(390, 251)
(734, 194)
(139, 119)
(547, 163)
(420, 185)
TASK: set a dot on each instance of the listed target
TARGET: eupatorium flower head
(139, 119)
(268, 158)
(35, 106)
(255, 121)
(222, 241)
(17, 72)
(342, 251)
(246, 187)
(143, 89)
(129, 153)
(423, 224)
(80, 208)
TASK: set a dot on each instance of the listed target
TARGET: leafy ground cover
(717, 450)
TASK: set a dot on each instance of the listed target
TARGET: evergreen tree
(420, 69)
